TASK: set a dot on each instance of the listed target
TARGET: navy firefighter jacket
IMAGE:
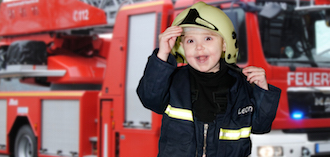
(165, 89)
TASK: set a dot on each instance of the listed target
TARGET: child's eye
(190, 41)
(208, 38)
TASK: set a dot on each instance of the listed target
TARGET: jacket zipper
(206, 126)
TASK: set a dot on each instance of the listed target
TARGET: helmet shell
(208, 17)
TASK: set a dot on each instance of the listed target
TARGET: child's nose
(199, 46)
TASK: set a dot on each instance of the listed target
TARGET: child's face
(203, 49)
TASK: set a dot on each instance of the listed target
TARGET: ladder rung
(29, 71)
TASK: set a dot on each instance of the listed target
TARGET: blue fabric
(164, 83)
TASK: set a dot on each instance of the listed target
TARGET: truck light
(322, 147)
(305, 152)
(297, 115)
(270, 151)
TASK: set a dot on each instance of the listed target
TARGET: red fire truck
(69, 70)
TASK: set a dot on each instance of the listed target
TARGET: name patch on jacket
(245, 110)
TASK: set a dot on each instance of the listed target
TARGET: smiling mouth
(202, 59)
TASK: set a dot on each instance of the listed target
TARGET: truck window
(142, 30)
(322, 38)
(296, 38)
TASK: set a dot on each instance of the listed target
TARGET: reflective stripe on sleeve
(179, 113)
(230, 134)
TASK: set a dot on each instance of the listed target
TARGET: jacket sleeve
(265, 108)
(155, 83)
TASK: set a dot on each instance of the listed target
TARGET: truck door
(135, 36)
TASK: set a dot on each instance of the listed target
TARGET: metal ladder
(111, 7)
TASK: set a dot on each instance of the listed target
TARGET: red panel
(256, 56)
(28, 104)
(322, 2)
(24, 106)
(79, 69)
(47, 15)
(39, 37)
(115, 77)
(283, 78)
(103, 46)
(88, 122)
(138, 143)
(106, 136)
(132, 142)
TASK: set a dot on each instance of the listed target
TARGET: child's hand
(256, 75)
(167, 40)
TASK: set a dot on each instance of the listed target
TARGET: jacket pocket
(180, 131)
(180, 138)
(234, 148)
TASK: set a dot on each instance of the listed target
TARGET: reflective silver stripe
(179, 113)
(230, 134)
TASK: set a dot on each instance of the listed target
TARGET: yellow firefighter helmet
(206, 16)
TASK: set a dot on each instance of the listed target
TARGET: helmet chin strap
(237, 69)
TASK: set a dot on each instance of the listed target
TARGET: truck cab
(289, 40)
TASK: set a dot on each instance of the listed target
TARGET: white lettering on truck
(308, 78)
(321, 101)
(80, 15)
(13, 102)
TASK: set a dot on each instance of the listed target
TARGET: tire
(25, 143)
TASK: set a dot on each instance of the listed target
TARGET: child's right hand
(167, 40)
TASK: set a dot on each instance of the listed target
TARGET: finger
(255, 74)
(259, 81)
(167, 39)
(256, 79)
(169, 36)
(251, 69)
(172, 29)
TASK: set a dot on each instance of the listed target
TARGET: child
(208, 108)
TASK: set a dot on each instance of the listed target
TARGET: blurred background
(69, 71)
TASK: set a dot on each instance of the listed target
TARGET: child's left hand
(256, 75)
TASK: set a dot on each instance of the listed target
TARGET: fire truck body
(61, 14)
(71, 116)
(291, 45)
(295, 49)
(62, 119)
(81, 100)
